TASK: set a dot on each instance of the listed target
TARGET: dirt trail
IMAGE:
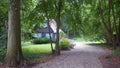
(82, 56)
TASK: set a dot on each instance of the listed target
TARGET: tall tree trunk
(106, 27)
(50, 36)
(102, 17)
(119, 28)
(119, 22)
(109, 23)
(109, 16)
(114, 17)
(57, 47)
(14, 52)
(49, 32)
(116, 36)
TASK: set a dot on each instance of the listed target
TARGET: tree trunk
(57, 47)
(14, 52)
(119, 31)
(50, 37)
(109, 23)
(109, 16)
(49, 33)
(115, 25)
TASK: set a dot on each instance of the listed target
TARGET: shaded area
(110, 62)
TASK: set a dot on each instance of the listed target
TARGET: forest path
(82, 56)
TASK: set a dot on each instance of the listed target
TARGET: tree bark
(49, 32)
(119, 24)
(50, 37)
(57, 47)
(46, 14)
(107, 28)
(14, 52)
(109, 16)
(115, 25)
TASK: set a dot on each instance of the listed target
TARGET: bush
(116, 52)
(41, 40)
(2, 53)
(62, 35)
(65, 44)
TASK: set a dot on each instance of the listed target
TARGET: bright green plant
(64, 44)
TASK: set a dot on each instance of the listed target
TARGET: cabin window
(52, 35)
(47, 35)
(39, 34)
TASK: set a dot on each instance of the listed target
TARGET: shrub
(116, 52)
(41, 40)
(2, 53)
(65, 44)
(62, 35)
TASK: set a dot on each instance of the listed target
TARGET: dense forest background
(93, 20)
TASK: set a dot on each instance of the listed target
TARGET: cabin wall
(44, 35)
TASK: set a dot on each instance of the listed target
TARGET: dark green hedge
(41, 40)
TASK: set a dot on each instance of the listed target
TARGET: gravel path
(82, 56)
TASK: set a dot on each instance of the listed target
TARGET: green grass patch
(81, 40)
(97, 44)
(30, 51)
(84, 41)
(33, 51)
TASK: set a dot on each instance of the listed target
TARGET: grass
(30, 51)
(84, 41)
(33, 51)
(81, 40)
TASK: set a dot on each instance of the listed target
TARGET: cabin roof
(53, 25)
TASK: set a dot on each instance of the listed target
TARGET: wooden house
(44, 33)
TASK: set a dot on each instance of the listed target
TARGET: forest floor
(109, 60)
(82, 56)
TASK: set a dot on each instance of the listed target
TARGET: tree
(46, 10)
(57, 47)
(14, 52)
(108, 11)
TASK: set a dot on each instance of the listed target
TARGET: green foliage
(3, 39)
(3, 22)
(62, 35)
(64, 44)
(41, 40)
(116, 52)
(2, 53)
